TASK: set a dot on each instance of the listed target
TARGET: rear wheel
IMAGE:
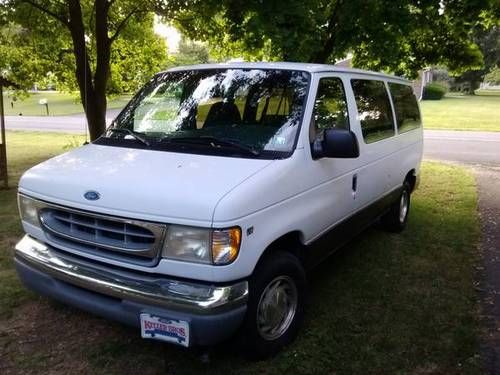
(276, 305)
(395, 220)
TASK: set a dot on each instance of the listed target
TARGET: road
(465, 147)
(75, 124)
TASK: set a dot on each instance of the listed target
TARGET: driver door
(336, 178)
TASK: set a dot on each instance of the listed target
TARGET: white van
(197, 213)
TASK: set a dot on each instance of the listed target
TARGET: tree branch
(58, 17)
(122, 24)
(322, 55)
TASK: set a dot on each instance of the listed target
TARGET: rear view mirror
(336, 143)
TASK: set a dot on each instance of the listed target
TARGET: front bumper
(214, 312)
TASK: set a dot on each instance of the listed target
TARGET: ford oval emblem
(91, 195)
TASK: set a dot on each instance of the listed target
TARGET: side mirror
(336, 143)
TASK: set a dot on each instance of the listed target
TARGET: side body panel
(316, 195)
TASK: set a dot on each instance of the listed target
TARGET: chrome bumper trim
(157, 291)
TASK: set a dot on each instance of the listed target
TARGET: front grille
(104, 236)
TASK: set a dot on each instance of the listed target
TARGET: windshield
(240, 112)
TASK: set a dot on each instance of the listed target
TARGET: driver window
(330, 107)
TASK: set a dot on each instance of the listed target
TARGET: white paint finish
(171, 187)
(274, 197)
(311, 68)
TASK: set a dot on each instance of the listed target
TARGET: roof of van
(311, 68)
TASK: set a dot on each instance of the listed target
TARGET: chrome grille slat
(98, 225)
(97, 241)
(102, 235)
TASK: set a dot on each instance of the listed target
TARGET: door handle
(354, 185)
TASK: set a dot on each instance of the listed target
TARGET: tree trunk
(322, 55)
(92, 91)
(96, 114)
(103, 49)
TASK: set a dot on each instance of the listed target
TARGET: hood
(153, 185)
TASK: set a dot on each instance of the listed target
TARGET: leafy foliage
(137, 55)
(37, 49)
(27, 56)
(82, 36)
(401, 37)
(191, 52)
(488, 41)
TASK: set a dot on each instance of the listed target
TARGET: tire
(268, 327)
(395, 220)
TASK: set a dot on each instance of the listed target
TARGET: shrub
(434, 91)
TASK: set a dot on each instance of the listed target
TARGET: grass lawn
(387, 304)
(24, 151)
(463, 112)
(60, 103)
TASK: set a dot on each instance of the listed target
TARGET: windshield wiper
(214, 142)
(132, 133)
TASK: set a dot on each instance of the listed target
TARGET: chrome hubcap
(277, 307)
(403, 206)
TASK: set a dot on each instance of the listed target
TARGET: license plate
(165, 329)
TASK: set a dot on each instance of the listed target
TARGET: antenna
(85, 89)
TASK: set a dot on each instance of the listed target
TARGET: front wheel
(276, 305)
(395, 220)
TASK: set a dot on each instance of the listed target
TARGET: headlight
(201, 245)
(188, 243)
(28, 210)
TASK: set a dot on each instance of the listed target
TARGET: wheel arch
(411, 178)
(291, 242)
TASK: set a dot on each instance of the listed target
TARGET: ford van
(196, 216)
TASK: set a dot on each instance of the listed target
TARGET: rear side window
(405, 106)
(374, 109)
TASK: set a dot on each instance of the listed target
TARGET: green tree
(136, 56)
(191, 52)
(488, 40)
(97, 46)
(27, 56)
(400, 36)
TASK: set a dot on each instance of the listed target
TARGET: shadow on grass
(384, 303)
